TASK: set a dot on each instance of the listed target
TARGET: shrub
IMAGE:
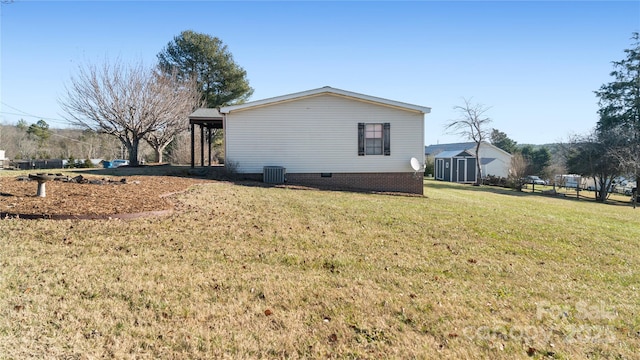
(492, 180)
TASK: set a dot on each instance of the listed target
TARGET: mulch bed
(91, 197)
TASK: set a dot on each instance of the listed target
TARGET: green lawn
(259, 272)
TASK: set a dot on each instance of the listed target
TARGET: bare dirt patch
(101, 197)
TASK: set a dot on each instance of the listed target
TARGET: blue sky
(535, 64)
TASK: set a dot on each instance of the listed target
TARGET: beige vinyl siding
(320, 134)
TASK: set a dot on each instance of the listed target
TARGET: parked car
(118, 162)
(532, 179)
(114, 163)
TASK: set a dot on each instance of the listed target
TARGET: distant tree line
(25, 141)
(533, 159)
(36, 141)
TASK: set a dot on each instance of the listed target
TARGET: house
(457, 162)
(322, 137)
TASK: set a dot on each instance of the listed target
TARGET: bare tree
(179, 151)
(472, 124)
(22, 145)
(176, 122)
(626, 154)
(594, 155)
(517, 171)
(128, 102)
(159, 139)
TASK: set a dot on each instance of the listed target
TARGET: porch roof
(207, 118)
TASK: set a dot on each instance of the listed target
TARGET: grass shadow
(436, 184)
(214, 172)
(148, 170)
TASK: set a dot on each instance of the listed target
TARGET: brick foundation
(392, 182)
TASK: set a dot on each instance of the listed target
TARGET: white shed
(457, 162)
(328, 137)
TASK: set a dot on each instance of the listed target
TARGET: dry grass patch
(251, 272)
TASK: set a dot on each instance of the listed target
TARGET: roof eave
(205, 113)
(325, 90)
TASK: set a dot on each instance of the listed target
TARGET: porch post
(209, 142)
(201, 145)
(193, 161)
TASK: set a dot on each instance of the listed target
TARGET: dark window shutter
(386, 135)
(360, 139)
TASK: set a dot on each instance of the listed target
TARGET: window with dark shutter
(386, 134)
(374, 139)
(360, 139)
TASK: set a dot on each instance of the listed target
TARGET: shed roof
(452, 153)
(438, 148)
(326, 90)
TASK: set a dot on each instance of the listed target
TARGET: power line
(38, 117)
(68, 138)
(24, 113)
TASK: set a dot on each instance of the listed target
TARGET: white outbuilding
(457, 162)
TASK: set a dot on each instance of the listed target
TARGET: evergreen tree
(40, 131)
(219, 78)
(619, 103)
(501, 140)
(538, 159)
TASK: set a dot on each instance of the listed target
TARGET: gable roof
(326, 90)
(452, 153)
(439, 148)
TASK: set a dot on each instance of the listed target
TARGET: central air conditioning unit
(274, 174)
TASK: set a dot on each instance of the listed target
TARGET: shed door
(461, 170)
(447, 169)
(439, 169)
(471, 170)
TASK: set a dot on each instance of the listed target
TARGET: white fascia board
(325, 90)
(484, 143)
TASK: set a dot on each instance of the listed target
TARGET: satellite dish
(415, 164)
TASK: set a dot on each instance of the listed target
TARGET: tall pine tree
(220, 79)
(619, 103)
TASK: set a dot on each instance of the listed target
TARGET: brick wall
(396, 182)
